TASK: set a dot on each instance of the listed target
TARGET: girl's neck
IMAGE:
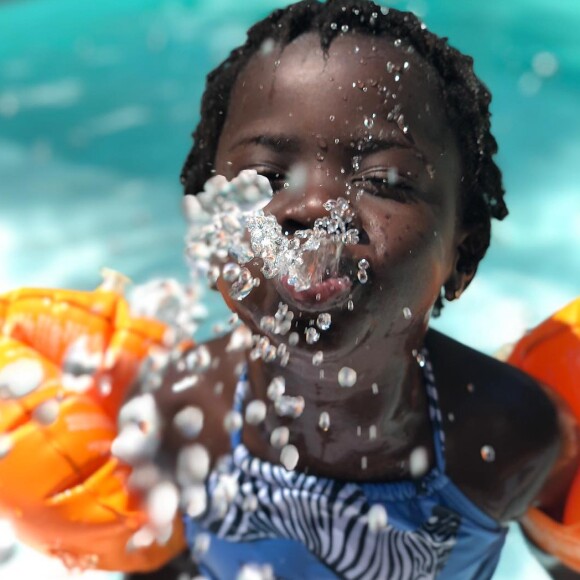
(373, 425)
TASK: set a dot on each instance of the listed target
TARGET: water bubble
(287, 406)
(289, 457)
(250, 503)
(324, 421)
(344, 28)
(255, 572)
(369, 122)
(255, 412)
(268, 323)
(363, 264)
(276, 388)
(267, 46)
(189, 421)
(332, 118)
(324, 321)
(347, 377)
(488, 453)
(312, 335)
(185, 383)
(233, 422)
(193, 464)
(418, 462)
(230, 272)
(279, 437)
(333, 25)
(407, 313)
(397, 42)
(545, 64)
(420, 358)
(5, 445)
(243, 285)
(47, 413)
(529, 84)
(19, 378)
(362, 276)
(377, 518)
(317, 358)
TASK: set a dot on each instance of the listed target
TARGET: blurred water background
(98, 100)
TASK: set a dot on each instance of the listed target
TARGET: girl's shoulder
(502, 433)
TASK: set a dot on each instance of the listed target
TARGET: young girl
(373, 446)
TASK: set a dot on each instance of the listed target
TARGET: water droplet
(189, 422)
(545, 64)
(332, 118)
(363, 264)
(324, 421)
(268, 323)
(350, 305)
(406, 66)
(369, 123)
(317, 358)
(319, 156)
(233, 422)
(193, 464)
(276, 388)
(364, 462)
(230, 272)
(373, 432)
(243, 285)
(267, 46)
(397, 42)
(377, 518)
(255, 412)
(347, 377)
(470, 388)
(451, 417)
(362, 276)
(418, 462)
(344, 28)
(407, 313)
(312, 335)
(293, 338)
(250, 503)
(333, 25)
(47, 413)
(5, 445)
(19, 378)
(279, 437)
(324, 321)
(420, 358)
(287, 406)
(375, 388)
(488, 453)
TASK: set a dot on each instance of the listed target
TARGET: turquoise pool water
(97, 102)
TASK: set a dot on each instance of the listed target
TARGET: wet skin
(280, 116)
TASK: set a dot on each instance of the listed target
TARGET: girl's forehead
(362, 78)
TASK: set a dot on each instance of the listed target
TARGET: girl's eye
(382, 186)
(277, 179)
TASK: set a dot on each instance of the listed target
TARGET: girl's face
(367, 124)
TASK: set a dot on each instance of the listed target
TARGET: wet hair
(465, 97)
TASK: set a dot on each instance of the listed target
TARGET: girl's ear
(471, 246)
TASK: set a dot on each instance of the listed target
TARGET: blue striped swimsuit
(303, 526)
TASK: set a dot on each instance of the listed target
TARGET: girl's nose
(298, 208)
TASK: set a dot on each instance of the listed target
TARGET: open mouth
(329, 293)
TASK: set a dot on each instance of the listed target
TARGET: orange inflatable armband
(63, 491)
(551, 354)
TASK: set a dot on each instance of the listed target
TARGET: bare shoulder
(502, 431)
(209, 389)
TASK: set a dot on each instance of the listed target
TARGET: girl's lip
(331, 292)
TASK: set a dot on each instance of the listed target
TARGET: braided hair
(465, 97)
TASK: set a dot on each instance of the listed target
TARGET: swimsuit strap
(242, 389)
(434, 409)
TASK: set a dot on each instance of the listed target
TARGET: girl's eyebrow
(277, 143)
(367, 146)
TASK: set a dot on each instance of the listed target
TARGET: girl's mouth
(324, 295)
